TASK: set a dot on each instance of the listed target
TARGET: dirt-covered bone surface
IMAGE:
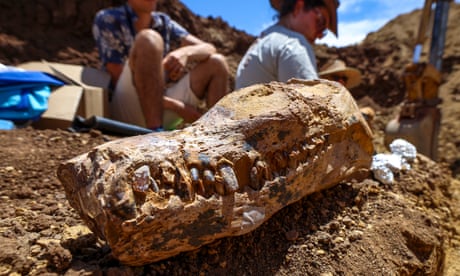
(258, 150)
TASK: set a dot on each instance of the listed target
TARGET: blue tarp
(24, 94)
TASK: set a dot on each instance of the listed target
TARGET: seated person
(284, 50)
(153, 87)
(336, 70)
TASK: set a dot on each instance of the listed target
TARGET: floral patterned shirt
(114, 32)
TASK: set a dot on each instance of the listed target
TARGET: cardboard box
(63, 105)
(95, 84)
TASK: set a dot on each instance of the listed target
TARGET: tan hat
(331, 6)
(338, 67)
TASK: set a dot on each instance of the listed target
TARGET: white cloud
(349, 6)
(357, 18)
(398, 7)
(352, 32)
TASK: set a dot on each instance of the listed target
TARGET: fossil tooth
(196, 181)
(259, 173)
(155, 186)
(123, 204)
(184, 186)
(142, 179)
(294, 159)
(208, 177)
(229, 179)
(262, 169)
(256, 179)
(168, 172)
(195, 174)
(208, 183)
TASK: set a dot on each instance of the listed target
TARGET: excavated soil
(410, 227)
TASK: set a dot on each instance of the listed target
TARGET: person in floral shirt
(161, 74)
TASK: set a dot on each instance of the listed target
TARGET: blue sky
(357, 18)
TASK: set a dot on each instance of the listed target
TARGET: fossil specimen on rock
(256, 151)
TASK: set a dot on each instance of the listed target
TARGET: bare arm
(192, 49)
(188, 113)
(197, 49)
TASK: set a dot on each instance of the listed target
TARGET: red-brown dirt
(360, 228)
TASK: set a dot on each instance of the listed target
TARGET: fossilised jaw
(258, 150)
(233, 154)
(198, 173)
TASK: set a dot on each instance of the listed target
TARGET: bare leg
(145, 62)
(210, 79)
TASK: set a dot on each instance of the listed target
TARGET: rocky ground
(359, 228)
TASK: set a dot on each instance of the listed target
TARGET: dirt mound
(61, 31)
(357, 228)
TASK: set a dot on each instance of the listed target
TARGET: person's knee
(219, 64)
(149, 40)
(147, 50)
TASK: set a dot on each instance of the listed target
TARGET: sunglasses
(340, 78)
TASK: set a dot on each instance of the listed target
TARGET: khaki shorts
(125, 106)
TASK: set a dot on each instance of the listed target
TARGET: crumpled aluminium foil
(385, 165)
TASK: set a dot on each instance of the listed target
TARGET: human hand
(190, 114)
(187, 112)
(174, 65)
